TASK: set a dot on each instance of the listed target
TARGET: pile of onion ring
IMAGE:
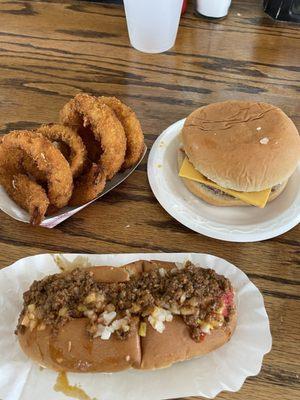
(113, 138)
(57, 165)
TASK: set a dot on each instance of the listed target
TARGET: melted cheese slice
(258, 199)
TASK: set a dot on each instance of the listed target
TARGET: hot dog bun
(72, 349)
(160, 350)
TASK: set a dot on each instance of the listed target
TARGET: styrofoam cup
(213, 8)
(152, 24)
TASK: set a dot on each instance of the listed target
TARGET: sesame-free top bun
(244, 146)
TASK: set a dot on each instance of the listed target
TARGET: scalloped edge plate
(223, 369)
(235, 224)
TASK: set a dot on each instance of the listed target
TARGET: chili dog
(144, 315)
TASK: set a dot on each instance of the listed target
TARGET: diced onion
(158, 317)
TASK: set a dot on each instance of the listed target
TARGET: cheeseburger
(238, 153)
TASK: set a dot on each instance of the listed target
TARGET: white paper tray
(224, 369)
(8, 206)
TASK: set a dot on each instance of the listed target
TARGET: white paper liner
(224, 369)
(13, 210)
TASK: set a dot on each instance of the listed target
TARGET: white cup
(213, 8)
(152, 24)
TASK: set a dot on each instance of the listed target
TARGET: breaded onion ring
(77, 151)
(28, 165)
(85, 110)
(27, 194)
(132, 128)
(88, 186)
(92, 145)
(47, 159)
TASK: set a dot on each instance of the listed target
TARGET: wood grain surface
(50, 50)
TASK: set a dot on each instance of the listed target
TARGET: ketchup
(228, 301)
(202, 336)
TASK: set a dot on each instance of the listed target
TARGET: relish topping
(200, 296)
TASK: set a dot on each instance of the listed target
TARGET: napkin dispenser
(283, 10)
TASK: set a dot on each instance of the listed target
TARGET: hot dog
(144, 315)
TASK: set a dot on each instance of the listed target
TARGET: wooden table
(52, 49)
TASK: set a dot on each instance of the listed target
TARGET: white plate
(8, 206)
(235, 224)
(224, 369)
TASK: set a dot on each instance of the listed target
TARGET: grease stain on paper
(72, 391)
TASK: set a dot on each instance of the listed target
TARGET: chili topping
(200, 296)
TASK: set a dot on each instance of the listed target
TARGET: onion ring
(26, 193)
(132, 128)
(88, 186)
(86, 111)
(60, 133)
(47, 159)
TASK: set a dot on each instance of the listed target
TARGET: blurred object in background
(184, 6)
(283, 10)
(152, 24)
(107, 1)
(212, 8)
